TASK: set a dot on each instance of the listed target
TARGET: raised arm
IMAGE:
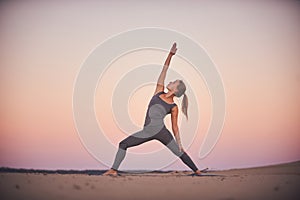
(161, 79)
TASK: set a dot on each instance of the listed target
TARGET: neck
(170, 94)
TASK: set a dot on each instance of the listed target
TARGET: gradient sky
(254, 44)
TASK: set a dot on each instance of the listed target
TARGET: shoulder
(159, 87)
(159, 93)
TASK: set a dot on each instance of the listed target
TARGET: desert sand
(271, 182)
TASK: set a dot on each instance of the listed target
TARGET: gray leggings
(164, 136)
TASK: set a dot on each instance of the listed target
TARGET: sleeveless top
(157, 110)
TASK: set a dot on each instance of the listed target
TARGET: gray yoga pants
(164, 136)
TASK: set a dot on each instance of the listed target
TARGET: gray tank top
(157, 110)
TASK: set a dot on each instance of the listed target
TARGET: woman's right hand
(181, 148)
(173, 49)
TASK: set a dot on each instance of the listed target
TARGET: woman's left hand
(181, 148)
(173, 49)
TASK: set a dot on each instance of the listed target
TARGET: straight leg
(132, 140)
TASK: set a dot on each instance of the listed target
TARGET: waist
(154, 121)
(151, 129)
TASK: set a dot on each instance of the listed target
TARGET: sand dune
(272, 182)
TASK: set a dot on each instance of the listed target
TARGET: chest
(156, 100)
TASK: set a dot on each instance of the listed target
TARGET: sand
(273, 182)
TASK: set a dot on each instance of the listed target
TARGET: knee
(183, 155)
(123, 145)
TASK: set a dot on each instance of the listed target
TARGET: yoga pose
(160, 105)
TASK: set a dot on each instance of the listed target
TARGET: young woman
(160, 105)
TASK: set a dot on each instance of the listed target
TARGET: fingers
(174, 46)
(173, 49)
(181, 149)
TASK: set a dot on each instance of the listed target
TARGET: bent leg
(165, 137)
(132, 140)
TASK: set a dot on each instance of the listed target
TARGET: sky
(254, 45)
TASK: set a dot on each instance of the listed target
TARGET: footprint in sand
(17, 186)
(76, 187)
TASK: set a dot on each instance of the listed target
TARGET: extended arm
(174, 117)
(161, 79)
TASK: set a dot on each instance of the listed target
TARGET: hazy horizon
(254, 44)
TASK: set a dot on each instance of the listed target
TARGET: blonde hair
(181, 88)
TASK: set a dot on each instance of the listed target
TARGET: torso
(158, 108)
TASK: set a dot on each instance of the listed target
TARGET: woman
(160, 105)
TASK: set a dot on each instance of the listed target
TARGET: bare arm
(161, 79)
(174, 117)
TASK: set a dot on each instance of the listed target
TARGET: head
(178, 88)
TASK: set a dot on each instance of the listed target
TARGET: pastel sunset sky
(254, 45)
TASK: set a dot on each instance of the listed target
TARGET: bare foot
(110, 172)
(198, 172)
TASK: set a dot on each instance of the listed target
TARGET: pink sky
(255, 46)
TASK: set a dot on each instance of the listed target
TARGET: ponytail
(184, 105)
(181, 91)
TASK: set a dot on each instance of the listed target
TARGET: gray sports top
(157, 110)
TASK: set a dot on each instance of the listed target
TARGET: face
(172, 86)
